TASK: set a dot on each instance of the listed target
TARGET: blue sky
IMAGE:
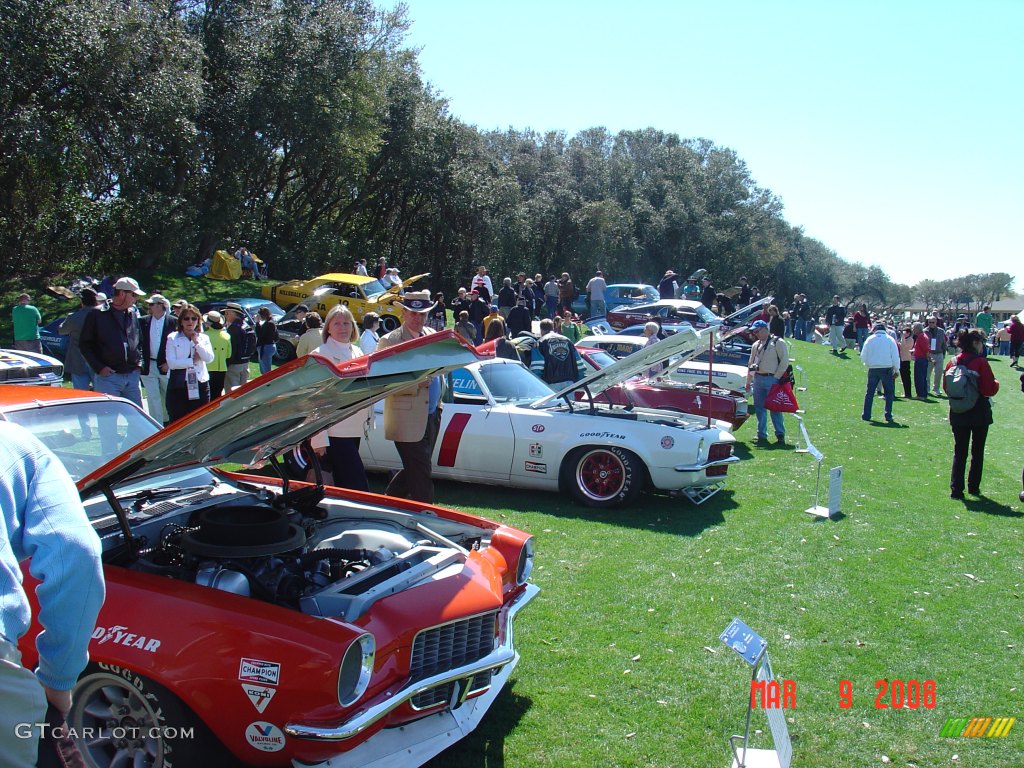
(890, 130)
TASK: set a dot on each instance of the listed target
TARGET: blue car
(618, 295)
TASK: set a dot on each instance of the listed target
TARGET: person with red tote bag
(769, 361)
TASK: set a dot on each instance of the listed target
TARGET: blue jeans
(800, 330)
(789, 328)
(921, 376)
(862, 336)
(884, 377)
(84, 380)
(126, 385)
(762, 385)
(598, 308)
(266, 357)
(552, 305)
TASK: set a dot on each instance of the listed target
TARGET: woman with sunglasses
(188, 352)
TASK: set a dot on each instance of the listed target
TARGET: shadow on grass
(991, 507)
(658, 512)
(485, 747)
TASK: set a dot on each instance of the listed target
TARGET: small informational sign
(835, 489)
(745, 641)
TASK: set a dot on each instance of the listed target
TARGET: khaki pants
(237, 375)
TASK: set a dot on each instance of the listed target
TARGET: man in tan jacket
(405, 413)
(769, 359)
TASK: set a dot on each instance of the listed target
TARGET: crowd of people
(182, 358)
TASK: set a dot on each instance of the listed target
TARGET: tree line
(147, 133)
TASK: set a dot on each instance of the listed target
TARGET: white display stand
(835, 492)
(754, 650)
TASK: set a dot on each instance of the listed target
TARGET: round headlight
(356, 669)
(525, 566)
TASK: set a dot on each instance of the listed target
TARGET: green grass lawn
(622, 665)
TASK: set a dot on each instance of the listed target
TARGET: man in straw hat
(155, 328)
(411, 417)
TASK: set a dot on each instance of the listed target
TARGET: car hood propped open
(278, 411)
(687, 343)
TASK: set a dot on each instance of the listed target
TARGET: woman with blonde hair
(340, 344)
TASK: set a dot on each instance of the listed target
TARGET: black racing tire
(283, 352)
(603, 476)
(120, 717)
(388, 323)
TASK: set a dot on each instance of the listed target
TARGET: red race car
(666, 395)
(256, 619)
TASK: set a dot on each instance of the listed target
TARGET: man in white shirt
(596, 288)
(155, 328)
(881, 355)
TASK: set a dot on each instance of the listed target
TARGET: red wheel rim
(601, 475)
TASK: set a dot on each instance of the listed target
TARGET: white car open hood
(687, 343)
(278, 411)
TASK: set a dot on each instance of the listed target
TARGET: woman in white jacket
(340, 344)
(188, 352)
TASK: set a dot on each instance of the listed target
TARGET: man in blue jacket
(43, 519)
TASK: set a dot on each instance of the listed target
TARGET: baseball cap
(158, 298)
(758, 324)
(129, 284)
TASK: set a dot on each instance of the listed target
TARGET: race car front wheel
(284, 352)
(118, 717)
(603, 476)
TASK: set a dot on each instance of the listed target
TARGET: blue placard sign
(745, 641)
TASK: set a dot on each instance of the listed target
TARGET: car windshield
(512, 383)
(86, 435)
(706, 315)
(373, 288)
(601, 359)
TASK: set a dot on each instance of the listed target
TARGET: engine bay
(323, 557)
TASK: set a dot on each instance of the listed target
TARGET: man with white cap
(110, 343)
(411, 416)
(155, 328)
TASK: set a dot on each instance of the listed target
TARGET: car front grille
(447, 647)
(718, 452)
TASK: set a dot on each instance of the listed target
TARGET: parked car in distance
(502, 426)
(668, 394)
(359, 293)
(30, 368)
(689, 371)
(669, 310)
(251, 619)
(250, 304)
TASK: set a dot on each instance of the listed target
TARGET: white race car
(688, 371)
(501, 425)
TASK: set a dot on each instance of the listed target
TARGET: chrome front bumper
(705, 465)
(495, 660)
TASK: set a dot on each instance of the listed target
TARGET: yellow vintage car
(359, 293)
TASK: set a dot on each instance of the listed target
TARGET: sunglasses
(189, 319)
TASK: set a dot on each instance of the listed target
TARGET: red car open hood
(277, 411)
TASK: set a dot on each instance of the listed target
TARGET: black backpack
(961, 387)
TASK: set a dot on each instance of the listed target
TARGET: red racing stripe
(452, 438)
